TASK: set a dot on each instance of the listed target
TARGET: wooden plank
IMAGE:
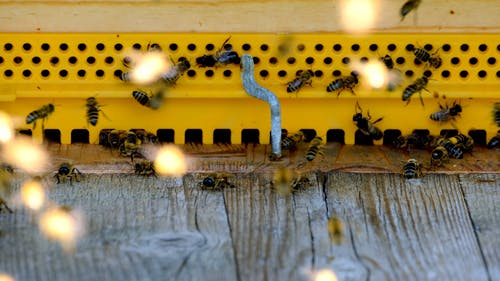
(482, 196)
(407, 230)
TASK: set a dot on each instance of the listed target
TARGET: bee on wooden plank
(494, 141)
(466, 142)
(67, 171)
(431, 59)
(336, 230)
(152, 101)
(412, 169)
(304, 77)
(223, 56)
(314, 149)
(145, 168)
(175, 72)
(416, 140)
(439, 155)
(216, 182)
(417, 87)
(41, 113)
(130, 146)
(365, 125)
(409, 6)
(116, 138)
(454, 150)
(291, 142)
(344, 83)
(447, 113)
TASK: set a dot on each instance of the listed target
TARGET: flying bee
(41, 113)
(446, 113)
(216, 182)
(67, 171)
(432, 59)
(494, 142)
(412, 169)
(223, 56)
(148, 100)
(130, 146)
(336, 230)
(365, 125)
(175, 72)
(314, 148)
(291, 142)
(439, 155)
(145, 168)
(496, 113)
(408, 6)
(344, 83)
(6, 172)
(417, 86)
(282, 180)
(93, 109)
(303, 78)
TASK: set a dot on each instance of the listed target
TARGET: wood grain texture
(238, 16)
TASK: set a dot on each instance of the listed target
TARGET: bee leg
(77, 173)
(57, 177)
(421, 99)
(378, 120)
(338, 94)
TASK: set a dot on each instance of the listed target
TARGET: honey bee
(116, 138)
(6, 172)
(303, 78)
(153, 47)
(344, 83)
(431, 59)
(336, 230)
(291, 142)
(216, 182)
(41, 113)
(223, 56)
(67, 171)
(496, 113)
(494, 142)
(130, 146)
(439, 155)
(93, 109)
(466, 142)
(447, 113)
(300, 183)
(314, 148)
(145, 168)
(417, 86)
(150, 101)
(175, 72)
(365, 125)
(412, 169)
(409, 6)
(388, 61)
(419, 141)
(282, 180)
(454, 150)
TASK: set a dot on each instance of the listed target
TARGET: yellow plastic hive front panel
(65, 69)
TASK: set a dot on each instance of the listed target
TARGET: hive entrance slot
(52, 135)
(79, 136)
(250, 136)
(335, 135)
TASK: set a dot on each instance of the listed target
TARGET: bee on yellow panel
(175, 72)
(409, 6)
(344, 83)
(447, 113)
(365, 125)
(223, 56)
(432, 60)
(151, 100)
(417, 87)
(336, 230)
(93, 109)
(41, 113)
(394, 76)
(304, 77)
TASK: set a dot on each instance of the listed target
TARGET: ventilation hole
(250, 136)
(45, 73)
(335, 135)
(455, 60)
(222, 136)
(409, 73)
(318, 73)
(483, 47)
(99, 46)
(327, 60)
(481, 74)
(318, 47)
(36, 60)
(363, 59)
(355, 47)
(193, 136)
(446, 47)
(256, 60)
(336, 73)
(464, 47)
(8, 46)
(309, 134)
(27, 46)
(1, 60)
(52, 135)
(391, 47)
(246, 47)
(464, 73)
(118, 47)
(410, 47)
(79, 136)
(445, 73)
(90, 60)
(25, 132)
(54, 60)
(290, 60)
(264, 73)
(390, 135)
(400, 60)
(309, 60)
(45, 46)
(498, 73)
(227, 73)
(373, 47)
(18, 60)
(298, 72)
(72, 60)
(492, 60)
(26, 73)
(173, 47)
(301, 47)
(346, 60)
(81, 73)
(118, 73)
(264, 47)
(447, 133)
(273, 60)
(282, 73)
(108, 60)
(361, 138)
(209, 73)
(337, 47)
(428, 47)
(417, 61)
(99, 73)
(473, 60)
(137, 46)
(191, 73)
(63, 73)
(191, 47)
(63, 46)
(165, 135)
(479, 137)
(82, 47)
(427, 73)
(9, 73)
(209, 47)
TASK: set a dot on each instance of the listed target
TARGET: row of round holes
(246, 47)
(46, 73)
(55, 60)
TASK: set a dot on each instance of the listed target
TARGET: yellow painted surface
(219, 102)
